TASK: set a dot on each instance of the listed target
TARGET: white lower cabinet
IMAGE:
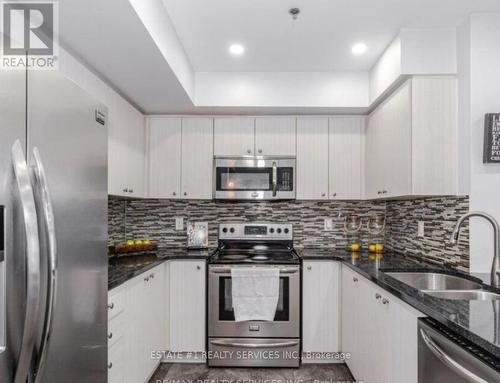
(136, 327)
(379, 331)
(321, 306)
(186, 283)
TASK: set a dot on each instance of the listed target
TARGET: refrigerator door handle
(47, 211)
(28, 206)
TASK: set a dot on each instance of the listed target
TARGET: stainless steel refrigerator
(53, 241)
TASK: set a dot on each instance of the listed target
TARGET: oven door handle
(275, 178)
(227, 270)
(449, 361)
(229, 343)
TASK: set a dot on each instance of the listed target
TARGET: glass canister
(352, 228)
(376, 229)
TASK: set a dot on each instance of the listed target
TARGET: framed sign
(491, 150)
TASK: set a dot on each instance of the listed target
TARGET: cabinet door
(321, 298)
(397, 143)
(374, 155)
(164, 157)
(135, 163)
(234, 136)
(117, 145)
(349, 319)
(187, 306)
(312, 158)
(275, 136)
(346, 139)
(197, 158)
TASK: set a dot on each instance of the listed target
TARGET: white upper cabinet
(346, 157)
(234, 136)
(411, 141)
(275, 136)
(312, 158)
(126, 151)
(197, 158)
(164, 157)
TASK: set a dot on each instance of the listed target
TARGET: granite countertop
(119, 273)
(476, 321)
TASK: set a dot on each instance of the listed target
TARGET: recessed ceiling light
(359, 48)
(236, 49)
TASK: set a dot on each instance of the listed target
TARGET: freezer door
(71, 147)
(12, 264)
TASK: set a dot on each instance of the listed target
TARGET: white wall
(386, 70)
(284, 89)
(480, 81)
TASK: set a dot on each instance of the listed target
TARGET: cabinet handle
(174, 193)
(384, 191)
(323, 194)
(110, 335)
(146, 279)
(354, 279)
(151, 276)
(385, 301)
(185, 193)
(260, 150)
(198, 267)
(249, 151)
(131, 190)
(111, 306)
(110, 366)
(334, 195)
(378, 296)
(125, 190)
(309, 267)
(379, 192)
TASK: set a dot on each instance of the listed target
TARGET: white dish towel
(255, 293)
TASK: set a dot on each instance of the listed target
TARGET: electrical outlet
(179, 223)
(421, 229)
(328, 224)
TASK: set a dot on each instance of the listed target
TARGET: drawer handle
(110, 335)
(309, 267)
(385, 301)
(146, 279)
(111, 306)
(198, 267)
(110, 366)
(354, 279)
(151, 276)
(378, 296)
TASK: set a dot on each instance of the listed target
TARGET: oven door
(221, 321)
(254, 178)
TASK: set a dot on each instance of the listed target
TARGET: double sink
(444, 286)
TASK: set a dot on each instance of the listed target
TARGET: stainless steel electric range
(254, 343)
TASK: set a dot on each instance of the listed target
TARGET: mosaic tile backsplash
(155, 219)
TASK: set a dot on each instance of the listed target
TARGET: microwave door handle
(275, 178)
(448, 360)
(27, 201)
(48, 218)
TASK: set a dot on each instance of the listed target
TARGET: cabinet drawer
(116, 304)
(116, 329)
(116, 363)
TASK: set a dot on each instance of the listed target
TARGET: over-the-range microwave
(254, 178)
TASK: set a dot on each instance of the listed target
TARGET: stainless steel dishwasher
(442, 360)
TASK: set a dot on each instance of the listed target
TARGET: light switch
(328, 224)
(421, 229)
(179, 223)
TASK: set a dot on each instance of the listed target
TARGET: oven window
(242, 179)
(226, 312)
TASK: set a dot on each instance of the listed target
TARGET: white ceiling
(319, 40)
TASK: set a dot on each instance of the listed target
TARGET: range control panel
(248, 231)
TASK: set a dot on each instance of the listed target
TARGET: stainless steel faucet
(495, 266)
